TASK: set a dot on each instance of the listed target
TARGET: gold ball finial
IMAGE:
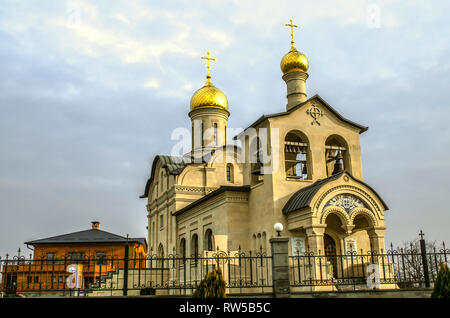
(293, 61)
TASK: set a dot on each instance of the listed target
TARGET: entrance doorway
(330, 252)
(11, 283)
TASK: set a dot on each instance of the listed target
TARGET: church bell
(304, 169)
(338, 167)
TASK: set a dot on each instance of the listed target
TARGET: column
(315, 238)
(280, 266)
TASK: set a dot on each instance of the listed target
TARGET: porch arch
(365, 212)
(339, 212)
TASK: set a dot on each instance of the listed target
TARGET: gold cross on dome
(208, 58)
(292, 26)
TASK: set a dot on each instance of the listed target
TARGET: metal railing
(396, 268)
(412, 267)
(112, 276)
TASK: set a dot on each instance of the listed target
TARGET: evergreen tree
(212, 286)
(442, 283)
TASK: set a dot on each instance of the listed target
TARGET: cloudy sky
(91, 91)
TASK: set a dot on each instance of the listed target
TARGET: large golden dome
(209, 96)
(294, 61)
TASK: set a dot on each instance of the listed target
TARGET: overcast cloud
(91, 91)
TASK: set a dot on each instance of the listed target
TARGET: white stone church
(300, 166)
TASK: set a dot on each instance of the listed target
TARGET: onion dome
(209, 96)
(294, 61)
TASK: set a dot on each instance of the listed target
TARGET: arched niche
(297, 155)
(337, 155)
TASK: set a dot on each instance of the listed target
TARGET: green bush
(442, 283)
(212, 286)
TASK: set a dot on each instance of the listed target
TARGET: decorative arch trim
(341, 188)
(339, 212)
(363, 211)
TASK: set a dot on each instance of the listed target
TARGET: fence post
(423, 251)
(125, 270)
(280, 266)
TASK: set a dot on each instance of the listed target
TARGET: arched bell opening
(256, 160)
(297, 156)
(337, 156)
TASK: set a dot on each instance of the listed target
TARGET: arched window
(153, 233)
(202, 133)
(259, 246)
(160, 262)
(183, 250)
(230, 173)
(161, 181)
(256, 160)
(215, 134)
(209, 240)
(337, 157)
(264, 242)
(194, 248)
(254, 243)
(160, 251)
(296, 156)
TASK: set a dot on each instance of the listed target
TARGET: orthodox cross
(208, 58)
(292, 26)
(315, 113)
(421, 234)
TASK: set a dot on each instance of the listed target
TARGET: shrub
(212, 286)
(442, 283)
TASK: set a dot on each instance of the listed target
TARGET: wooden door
(330, 252)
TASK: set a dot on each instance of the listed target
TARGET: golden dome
(209, 96)
(294, 61)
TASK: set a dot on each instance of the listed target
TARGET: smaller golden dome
(209, 96)
(294, 61)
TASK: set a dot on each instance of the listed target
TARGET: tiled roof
(174, 165)
(328, 106)
(302, 198)
(245, 188)
(87, 236)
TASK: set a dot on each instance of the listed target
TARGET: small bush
(212, 286)
(442, 283)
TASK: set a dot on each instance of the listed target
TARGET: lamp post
(280, 263)
(278, 227)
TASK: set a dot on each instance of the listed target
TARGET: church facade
(300, 167)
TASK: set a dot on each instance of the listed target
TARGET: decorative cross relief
(315, 113)
(346, 201)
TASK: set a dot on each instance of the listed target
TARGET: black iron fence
(244, 273)
(410, 267)
(109, 275)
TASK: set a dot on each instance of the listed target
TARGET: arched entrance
(330, 252)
